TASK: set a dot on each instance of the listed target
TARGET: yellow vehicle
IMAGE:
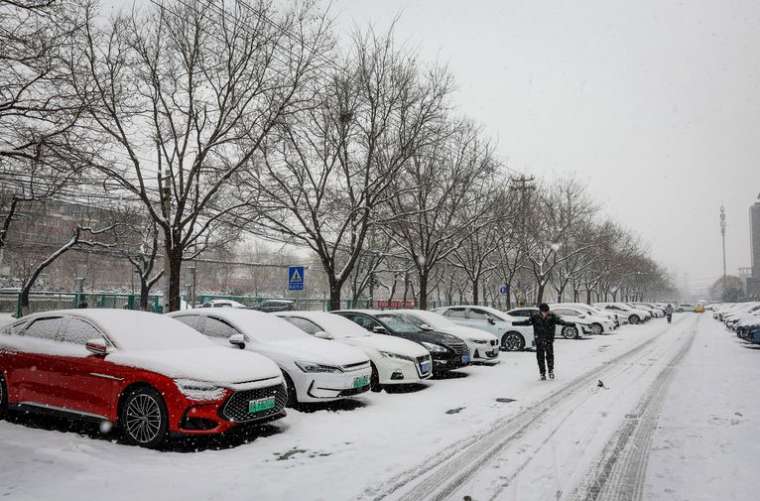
(700, 308)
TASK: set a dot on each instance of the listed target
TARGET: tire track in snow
(620, 473)
(456, 463)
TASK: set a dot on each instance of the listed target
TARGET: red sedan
(147, 373)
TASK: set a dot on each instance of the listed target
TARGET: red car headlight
(200, 391)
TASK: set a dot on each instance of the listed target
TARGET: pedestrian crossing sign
(295, 278)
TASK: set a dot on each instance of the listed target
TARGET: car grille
(458, 348)
(236, 408)
(353, 367)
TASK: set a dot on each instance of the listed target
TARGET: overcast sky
(654, 104)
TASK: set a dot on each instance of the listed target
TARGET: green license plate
(261, 404)
(361, 382)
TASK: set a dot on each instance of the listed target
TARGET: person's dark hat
(543, 307)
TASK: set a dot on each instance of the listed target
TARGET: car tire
(634, 320)
(3, 397)
(596, 328)
(512, 341)
(374, 380)
(569, 332)
(292, 396)
(143, 417)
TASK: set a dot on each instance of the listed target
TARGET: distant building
(753, 283)
(754, 232)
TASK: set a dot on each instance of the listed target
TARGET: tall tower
(723, 237)
(754, 237)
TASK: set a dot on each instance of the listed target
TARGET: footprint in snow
(455, 410)
(505, 400)
(284, 456)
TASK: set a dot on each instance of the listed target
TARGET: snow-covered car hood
(471, 333)
(310, 350)
(387, 343)
(215, 364)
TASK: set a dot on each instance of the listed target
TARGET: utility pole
(523, 185)
(194, 277)
(723, 237)
(166, 209)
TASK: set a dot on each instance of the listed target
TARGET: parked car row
(742, 318)
(208, 370)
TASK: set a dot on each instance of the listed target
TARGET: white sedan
(483, 346)
(512, 337)
(394, 360)
(315, 370)
(589, 320)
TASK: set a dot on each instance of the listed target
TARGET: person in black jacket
(544, 324)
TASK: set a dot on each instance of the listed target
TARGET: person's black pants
(545, 351)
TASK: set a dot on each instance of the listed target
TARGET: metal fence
(298, 303)
(10, 302)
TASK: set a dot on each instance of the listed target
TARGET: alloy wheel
(143, 418)
(512, 342)
(569, 332)
(596, 329)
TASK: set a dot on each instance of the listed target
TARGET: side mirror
(379, 329)
(238, 340)
(426, 327)
(97, 347)
(491, 321)
(323, 335)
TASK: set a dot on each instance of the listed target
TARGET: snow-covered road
(678, 398)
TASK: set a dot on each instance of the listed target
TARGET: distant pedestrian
(669, 312)
(83, 304)
(544, 325)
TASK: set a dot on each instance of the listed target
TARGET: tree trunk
(29, 283)
(144, 293)
(335, 288)
(540, 293)
(423, 276)
(475, 290)
(588, 296)
(175, 278)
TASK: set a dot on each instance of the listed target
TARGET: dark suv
(448, 352)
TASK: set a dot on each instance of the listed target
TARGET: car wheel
(512, 341)
(144, 418)
(569, 332)
(292, 396)
(634, 319)
(374, 380)
(3, 397)
(597, 329)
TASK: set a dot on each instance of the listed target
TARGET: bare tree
(555, 216)
(476, 256)
(323, 179)
(186, 96)
(76, 241)
(38, 107)
(437, 199)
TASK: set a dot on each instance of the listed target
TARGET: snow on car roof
(334, 324)
(257, 324)
(138, 330)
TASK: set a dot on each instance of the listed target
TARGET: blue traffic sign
(295, 278)
(504, 290)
